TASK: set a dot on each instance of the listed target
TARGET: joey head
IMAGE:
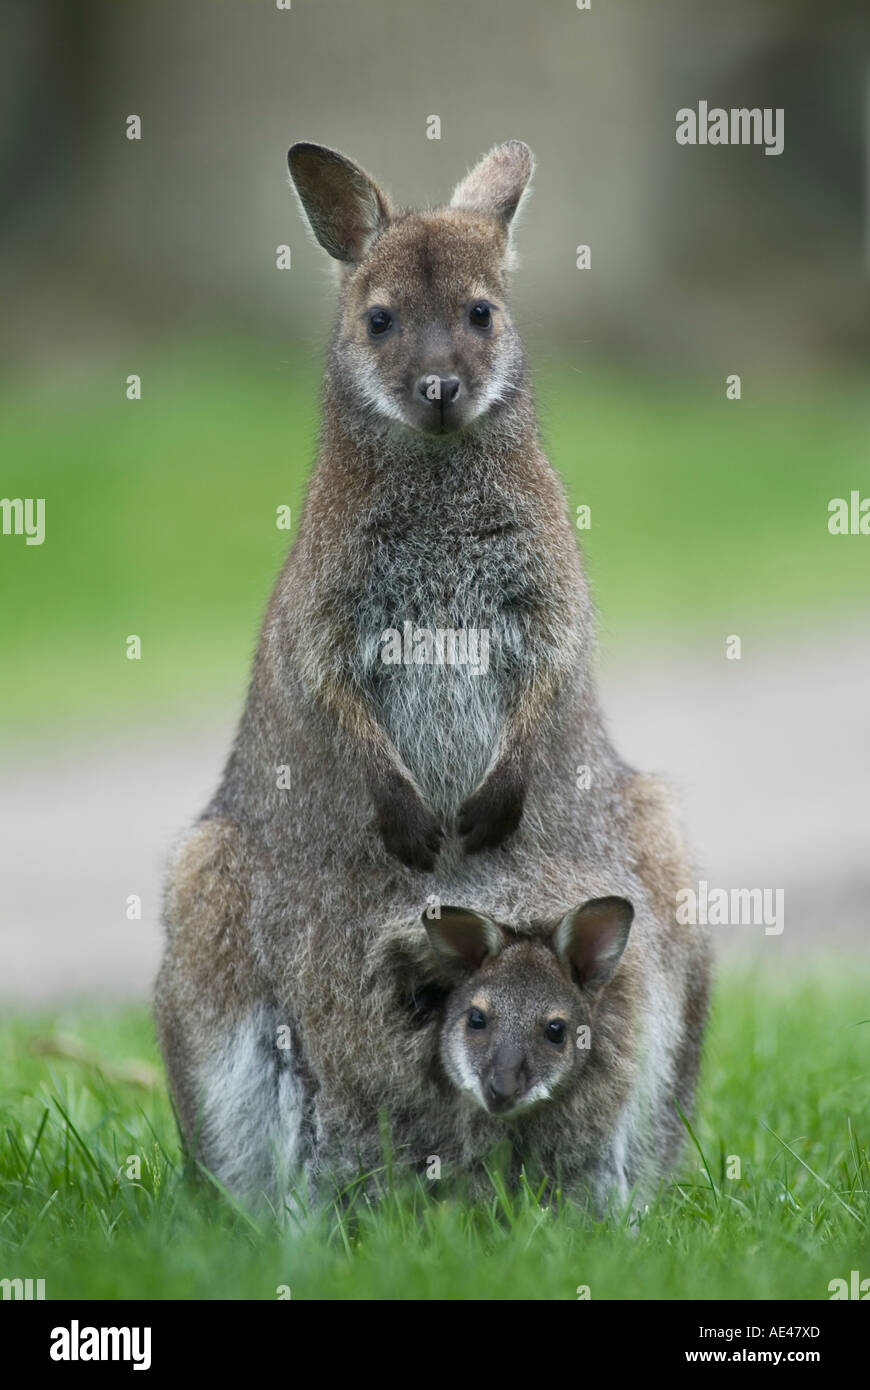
(509, 1036)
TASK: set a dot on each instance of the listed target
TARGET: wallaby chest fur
(473, 541)
(358, 787)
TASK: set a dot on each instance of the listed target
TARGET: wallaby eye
(556, 1030)
(480, 316)
(476, 1019)
(379, 321)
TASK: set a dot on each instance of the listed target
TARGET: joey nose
(439, 391)
(505, 1083)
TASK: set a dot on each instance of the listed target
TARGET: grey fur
(300, 908)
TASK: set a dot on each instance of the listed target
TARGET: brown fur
(299, 909)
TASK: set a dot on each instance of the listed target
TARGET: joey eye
(556, 1030)
(480, 315)
(379, 321)
(476, 1019)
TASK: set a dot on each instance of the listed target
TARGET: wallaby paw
(416, 842)
(410, 831)
(492, 812)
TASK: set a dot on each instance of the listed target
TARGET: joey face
(509, 1031)
(424, 339)
(509, 1034)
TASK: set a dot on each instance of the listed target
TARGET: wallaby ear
(344, 208)
(463, 937)
(591, 939)
(496, 184)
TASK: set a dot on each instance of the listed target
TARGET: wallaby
(529, 1035)
(512, 1032)
(422, 722)
(571, 1047)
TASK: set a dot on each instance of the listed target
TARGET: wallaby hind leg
(233, 1065)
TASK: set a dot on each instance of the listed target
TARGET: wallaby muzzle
(507, 1079)
(438, 398)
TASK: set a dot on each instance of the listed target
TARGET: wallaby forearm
(409, 828)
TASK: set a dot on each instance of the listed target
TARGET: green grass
(160, 515)
(785, 1089)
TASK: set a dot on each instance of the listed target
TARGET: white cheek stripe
(369, 387)
(374, 395)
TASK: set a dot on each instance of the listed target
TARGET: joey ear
(591, 939)
(344, 208)
(496, 184)
(463, 937)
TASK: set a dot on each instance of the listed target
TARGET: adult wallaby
(376, 762)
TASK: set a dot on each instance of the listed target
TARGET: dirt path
(771, 758)
(770, 754)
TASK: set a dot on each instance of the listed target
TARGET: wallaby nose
(439, 390)
(505, 1082)
(503, 1086)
